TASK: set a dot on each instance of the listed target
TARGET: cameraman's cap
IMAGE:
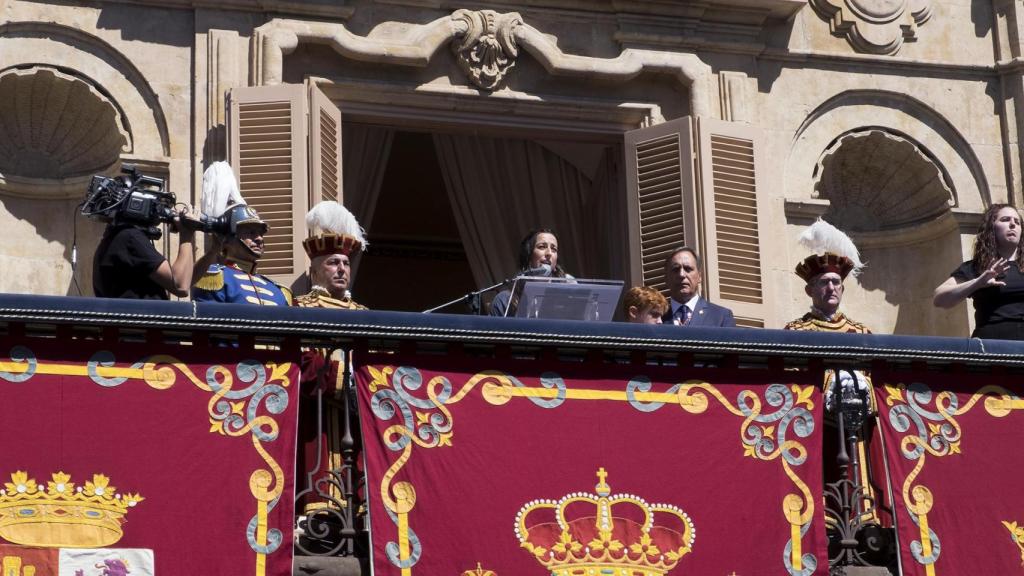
(333, 230)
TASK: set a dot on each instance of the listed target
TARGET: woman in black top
(994, 278)
(538, 256)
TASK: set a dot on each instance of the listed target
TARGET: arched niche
(56, 130)
(892, 196)
(112, 74)
(894, 113)
(877, 180)
(39, 210)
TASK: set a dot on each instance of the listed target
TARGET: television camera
(135, 198)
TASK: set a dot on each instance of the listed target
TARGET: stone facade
(897, 119)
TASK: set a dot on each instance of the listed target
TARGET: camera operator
(127, 265)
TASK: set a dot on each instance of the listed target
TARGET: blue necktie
(683, 314)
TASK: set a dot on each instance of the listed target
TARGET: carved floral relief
(487, 50)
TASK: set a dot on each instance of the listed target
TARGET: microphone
(543, 270)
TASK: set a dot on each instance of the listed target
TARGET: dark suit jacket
(706, 314)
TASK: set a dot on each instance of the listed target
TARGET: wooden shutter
(284, 142)
(661, 201)
(324, 147)
(266, 147)
(733, 223)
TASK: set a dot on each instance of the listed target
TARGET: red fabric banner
(188, 452)
(954, 461)
(480, 465)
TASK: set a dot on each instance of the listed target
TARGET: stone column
(1008, 25)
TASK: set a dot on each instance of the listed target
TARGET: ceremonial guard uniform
(319, 297)
(335, 238)
(815, 321)
(835, 257)
(231, 274)
(230, 282)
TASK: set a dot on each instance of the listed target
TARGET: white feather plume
(220, 189)
(331, 217)
(822, 237)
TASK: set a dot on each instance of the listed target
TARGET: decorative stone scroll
(875, 26)
(487, 50)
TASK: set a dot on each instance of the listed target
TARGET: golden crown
(62, 515)
(634, 539)
(479, 571)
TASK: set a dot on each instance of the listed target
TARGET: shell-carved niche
(55, 129)
(487, 50)
(875, 26)
(875, 181)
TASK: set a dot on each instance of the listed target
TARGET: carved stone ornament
(875, 180)
(55, 130)
(875, 26)
(487, 50)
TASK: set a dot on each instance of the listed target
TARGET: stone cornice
(729, 13)
(418, 45)
(528, 115)
(806, 210)
(335, 10)
(870, 61)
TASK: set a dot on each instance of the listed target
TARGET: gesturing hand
(993, 275)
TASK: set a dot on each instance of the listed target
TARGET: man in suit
(686, 306)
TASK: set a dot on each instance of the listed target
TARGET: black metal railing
(856, 535)
(330, 514)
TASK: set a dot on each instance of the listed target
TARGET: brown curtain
(502, 188)
(365, 152)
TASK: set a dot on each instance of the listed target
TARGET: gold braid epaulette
(314, 300)
(211, 281)
(288, 296)
(841, 323)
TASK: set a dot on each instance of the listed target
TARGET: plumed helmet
(833, 251)
(333, 230)
(240, 214)
(222, 198)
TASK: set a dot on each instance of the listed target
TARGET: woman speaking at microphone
(538, 256)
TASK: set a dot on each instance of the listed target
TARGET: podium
(564, 298)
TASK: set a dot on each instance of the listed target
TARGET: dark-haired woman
(994, 277)
(538, 256)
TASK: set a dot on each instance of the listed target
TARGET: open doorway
(445, 211)
(416, 260)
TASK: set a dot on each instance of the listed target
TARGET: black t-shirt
(995, 303)
(124, 260)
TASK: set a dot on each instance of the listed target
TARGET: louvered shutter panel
(267, 148)
(661, 204)
(733, 222)
(324, 148)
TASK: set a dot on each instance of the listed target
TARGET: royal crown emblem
(620, 534)
(479, 571)
(62, 515)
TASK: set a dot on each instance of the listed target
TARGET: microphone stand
(472, 298)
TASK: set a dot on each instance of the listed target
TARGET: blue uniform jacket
(227, 283)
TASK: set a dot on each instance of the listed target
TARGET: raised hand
(993, 276)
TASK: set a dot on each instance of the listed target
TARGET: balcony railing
(336, 527)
